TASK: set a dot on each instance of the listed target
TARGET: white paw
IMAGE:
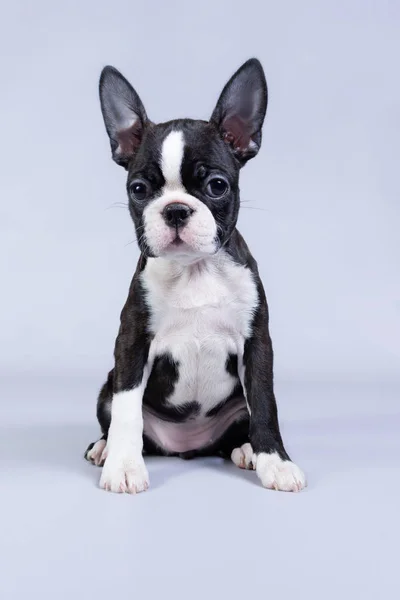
(278, 474)
(243, 457)
(124, 475)
(97, 455)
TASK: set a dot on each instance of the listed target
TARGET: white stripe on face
(171, 159)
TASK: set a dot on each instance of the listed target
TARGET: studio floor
(204, 529)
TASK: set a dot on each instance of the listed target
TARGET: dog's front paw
(124, 475)
(278, 474)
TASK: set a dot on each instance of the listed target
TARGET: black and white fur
(193, 368)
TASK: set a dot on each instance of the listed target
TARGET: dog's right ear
(124, 115)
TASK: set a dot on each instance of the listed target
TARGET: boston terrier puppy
(193, 372)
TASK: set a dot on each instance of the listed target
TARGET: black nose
(176, 214)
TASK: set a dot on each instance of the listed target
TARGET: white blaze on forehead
(171, 158)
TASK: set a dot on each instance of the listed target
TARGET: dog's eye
(138, 190)
(217, 187)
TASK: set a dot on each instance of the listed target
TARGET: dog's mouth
(177, 241)
(178, 247)
(177, 244)
(181, 246)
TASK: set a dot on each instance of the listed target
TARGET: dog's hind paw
(97, 452)
(243, 457)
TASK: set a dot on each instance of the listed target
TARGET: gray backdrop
(321, 214)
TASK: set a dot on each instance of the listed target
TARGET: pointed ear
(241, 108)
(124, 115)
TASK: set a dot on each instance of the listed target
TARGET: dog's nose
(177, 214)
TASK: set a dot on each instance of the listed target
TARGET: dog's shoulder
(239, 251)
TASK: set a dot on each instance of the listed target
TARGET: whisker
(245, 201)
(256, 208)
(117, 205)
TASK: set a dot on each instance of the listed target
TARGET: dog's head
(183, 175)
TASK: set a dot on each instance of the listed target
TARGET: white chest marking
(200, 314)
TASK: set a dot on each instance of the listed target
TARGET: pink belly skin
(193, 434)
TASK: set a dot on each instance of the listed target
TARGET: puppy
(193, 373)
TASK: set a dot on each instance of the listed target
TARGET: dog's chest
(200, 316)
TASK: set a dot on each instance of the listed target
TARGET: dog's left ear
(241, 108)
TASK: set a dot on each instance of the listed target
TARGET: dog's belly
(195, 434)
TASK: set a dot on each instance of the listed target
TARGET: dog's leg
(96, 452)
(124, 469)
(272, 463)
